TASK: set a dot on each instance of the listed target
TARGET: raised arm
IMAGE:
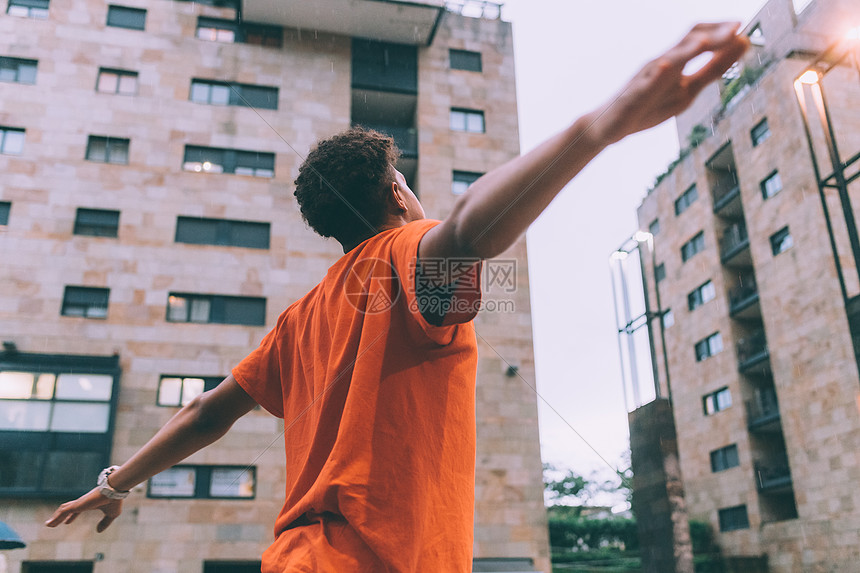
(201, 422)
(501, 205)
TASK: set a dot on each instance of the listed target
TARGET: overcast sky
(571, 55)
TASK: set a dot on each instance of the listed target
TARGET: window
(760, 133)
(200, 231)
(37, 9)
(207, 308)
(461, 181)
(668, 318)
(96, 222)
(18, 70)
(686, 199)
(693, 246)
(733, 518)
(122, 82)
(709, 346)
(107, 149)
(724, 458)
(180, 390)
(756, 36)
(654, 227)
(57, 567)
(660, 272)
(223, 93)
(11, 140)
(771, 185)
(88, 302)
(214, 160)
(204, 482)
(465, 60)
(701, 295)
(717, 401)
(231, 567)
(56, 413)
(781, 241)
(125, 17)
(467, 120)
(5, 207)
(232, 31)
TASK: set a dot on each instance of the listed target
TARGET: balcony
(773, 477)
(752, 351)
(406, 138)
(744, 298)
(727, 201)
(405, 22)
(735, 245)
(763, 412)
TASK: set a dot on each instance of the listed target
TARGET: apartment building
(149, 240)
(755, 269)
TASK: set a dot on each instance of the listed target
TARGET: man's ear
(395, 197)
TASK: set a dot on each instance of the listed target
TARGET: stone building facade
(757, 316)
(150, 239)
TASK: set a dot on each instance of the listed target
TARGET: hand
(70, 510)
(661, 90)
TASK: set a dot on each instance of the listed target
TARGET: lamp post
(810, 93)
(626, 324)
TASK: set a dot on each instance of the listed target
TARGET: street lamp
(808, 88)
(627, 325)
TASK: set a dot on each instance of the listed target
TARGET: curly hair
(341, 187)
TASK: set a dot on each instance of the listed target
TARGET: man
(373, 371)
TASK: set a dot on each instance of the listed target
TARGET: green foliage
(566, 487)
(576, 533)
(748, 76)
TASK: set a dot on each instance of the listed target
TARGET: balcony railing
(752, 350)
(735, 239)
(772, 476)
(762, 411)
(725, 195)
(743, 295)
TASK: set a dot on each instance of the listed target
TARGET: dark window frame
(725, 458)
(230, 161)
(733, 518)
(217, 309)
(120, 74)
(466, 60)
(5, 210)
(693, 247)
(686, 199)
(264, 35)
(765, 192)
(660, 272)
(77, 297)
(123, 145)
(92, 446)
(209, 382)
(4, 131)
(36, 9)
(654, 227)
(96, 222)
(712, 402)
(696, 298)
(16, 65)
(467, 113)
(467, 177)
(126, 17)
(781, 241)
(241, 95)
(760, 132)
(703, 347)
(203, 482)
(227, 232)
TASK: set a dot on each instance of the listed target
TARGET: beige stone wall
(811, 354)
(40, 255)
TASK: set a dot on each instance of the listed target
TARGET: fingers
(105, 522)
(718, 64)
(703, 38)
(59, 516)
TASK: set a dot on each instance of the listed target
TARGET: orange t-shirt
(379, 411)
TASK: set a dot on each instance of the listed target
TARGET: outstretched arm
(501, 205)
(201, 422)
